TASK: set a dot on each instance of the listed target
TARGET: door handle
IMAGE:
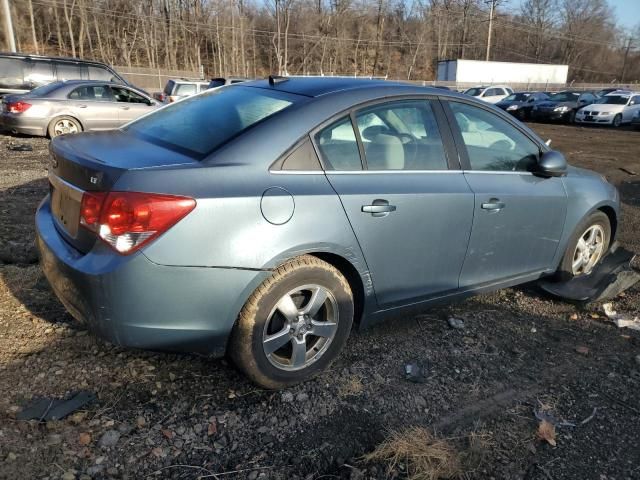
(494, 205)
(82, 106)
(379, 208)
(124, 108)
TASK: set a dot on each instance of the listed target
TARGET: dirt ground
(185, 417)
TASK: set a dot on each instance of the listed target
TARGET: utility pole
(493, 6)
(8, 27)
(624, 61)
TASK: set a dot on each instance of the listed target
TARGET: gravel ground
(184, 417)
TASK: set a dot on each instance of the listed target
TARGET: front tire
(294, 325)
(617, 121)
(587, 246)
(63, 125)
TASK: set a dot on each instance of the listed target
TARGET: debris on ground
(46, 409)
(21, 147)
(619, 319)
(612, 276)
(420, 452)
(582, 350)
(456, 323)
(547, 432)
(414, 373)
(627, 170)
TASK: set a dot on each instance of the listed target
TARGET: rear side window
(216, 82)
(11, 73)
(97, 93)
(401, 136)
(190, 125)
(185, 89)
(492, 143)
(338, 146)
(68, 71)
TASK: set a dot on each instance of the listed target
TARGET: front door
(131, 105)
(94, 106)
(518, 217)
(411, 214)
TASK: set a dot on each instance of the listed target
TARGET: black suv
(22, 73)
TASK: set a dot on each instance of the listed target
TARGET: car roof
(49, 57)
(318, 86)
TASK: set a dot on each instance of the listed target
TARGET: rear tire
(273, 341)
(584, 251)
(63, 125)
(572, 117)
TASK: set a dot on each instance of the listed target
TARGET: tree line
(400, 39)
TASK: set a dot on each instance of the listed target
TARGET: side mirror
(552, 164)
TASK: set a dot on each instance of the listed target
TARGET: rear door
(518, 217)
(95, 107)
(393, 164)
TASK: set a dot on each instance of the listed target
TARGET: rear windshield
(517, 97)
(44, 90)
(199, 124)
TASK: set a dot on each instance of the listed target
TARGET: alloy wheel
(300, 327)
(589, 250)
(64, 126)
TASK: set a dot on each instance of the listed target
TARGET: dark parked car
(562, 106)
(520, 104)
(317, 203)
(73, 106)
(221, 82)
(22, 73)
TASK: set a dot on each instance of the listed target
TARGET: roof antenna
(276, 79)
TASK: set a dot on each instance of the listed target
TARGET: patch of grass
(420, 453)
(351, 385)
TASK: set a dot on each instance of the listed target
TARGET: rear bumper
(27, 126)
(133, 302)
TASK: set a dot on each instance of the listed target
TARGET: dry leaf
(213, 428)
(84, 439)
(582, 350)
(141, 422)
(167, 433)
(158, 452)
(547, 432)
(574, 317)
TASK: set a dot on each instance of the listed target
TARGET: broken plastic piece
(612, 276)
(22, 147)
(620, 320)
(414, 373)
(45, 409)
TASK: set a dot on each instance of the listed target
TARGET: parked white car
(613, 109)
(490, 94)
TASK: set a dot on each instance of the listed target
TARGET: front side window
(187, 126)
(101, 74)
(127, 96)
(492, 143)
(38, 73)
(401, 136)
(338, 146)
(96, 93)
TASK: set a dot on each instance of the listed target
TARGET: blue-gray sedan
(262, 219)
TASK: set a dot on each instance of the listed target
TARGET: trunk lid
(95, 162)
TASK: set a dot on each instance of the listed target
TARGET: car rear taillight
(18, 107)
(128, 220)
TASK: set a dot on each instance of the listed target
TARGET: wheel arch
(613, 220)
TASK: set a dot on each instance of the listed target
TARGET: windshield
(199, 124)
(565, 97)
(613, 100)
(216, 82)
(516, 97)
(474, 92)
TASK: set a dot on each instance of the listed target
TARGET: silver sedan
(74, 106)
